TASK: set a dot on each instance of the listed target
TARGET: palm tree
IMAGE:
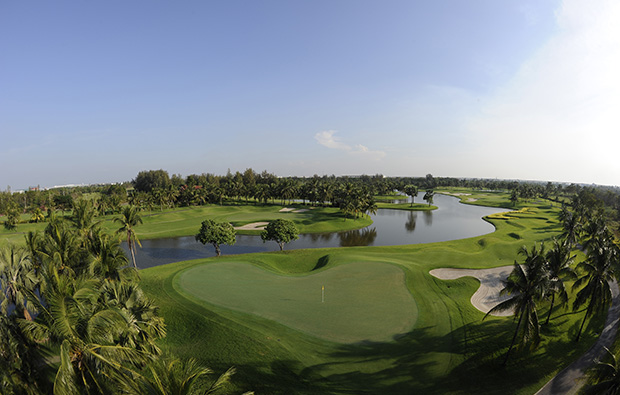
(606, 375)
(129, 220)
(558, 262)
(171, 376)
(527, 287)
(16, 277)
(599, 269)
(92, 358)
(108, 257)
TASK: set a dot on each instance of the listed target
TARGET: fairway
(365, 301)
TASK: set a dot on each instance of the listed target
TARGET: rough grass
(449, 350)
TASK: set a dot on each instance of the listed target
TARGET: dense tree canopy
(216, 233)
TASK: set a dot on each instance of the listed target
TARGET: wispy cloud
(326, 138)
(559, 113)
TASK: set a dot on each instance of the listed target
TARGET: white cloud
(558, 117)
(326, 138)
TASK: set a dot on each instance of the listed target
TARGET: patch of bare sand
(487, 296)
(286, 210)
(253, 226)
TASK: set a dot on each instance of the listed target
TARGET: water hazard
(451, 221)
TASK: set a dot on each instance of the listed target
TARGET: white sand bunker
(253, 226)
(487, 296)
(286, 210)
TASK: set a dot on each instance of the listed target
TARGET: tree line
(156, 189)
(542, 274)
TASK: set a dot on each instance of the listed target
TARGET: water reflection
(428, 218)
(411, 221)
(361, 237)
(450, 222)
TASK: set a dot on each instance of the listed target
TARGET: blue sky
(97, 91)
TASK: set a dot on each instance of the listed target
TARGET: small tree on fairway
(281, 231)
(216, 233)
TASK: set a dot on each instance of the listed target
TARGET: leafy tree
(528, 287)
(148, 180)
(281, 231)
(129, 220)
(12, 218)
(428, 196)
(37, 216)
(411, 190)
(514, 197)
(216, 233)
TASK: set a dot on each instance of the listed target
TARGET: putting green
(361, 301)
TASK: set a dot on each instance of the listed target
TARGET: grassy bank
(449, 350)
(185, 221)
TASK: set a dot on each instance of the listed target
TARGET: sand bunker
(303, 210)
(253, 226)
(286, 210)
(487, 296)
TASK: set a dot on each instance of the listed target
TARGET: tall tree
(129, 219)
(527, 287)
(598, 270)
(558, 261)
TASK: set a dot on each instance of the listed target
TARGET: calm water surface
(451, 221)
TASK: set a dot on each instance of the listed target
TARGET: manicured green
(348, 303)
(449, 350)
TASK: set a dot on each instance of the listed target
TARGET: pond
(451, 221)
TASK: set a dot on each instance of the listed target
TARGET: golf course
(367, 319)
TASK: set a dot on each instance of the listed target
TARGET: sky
(94, 92)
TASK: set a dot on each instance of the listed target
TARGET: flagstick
(323, 294)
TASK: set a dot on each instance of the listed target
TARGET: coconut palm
(19, 360)
(108, 257)
(558, 262)
(527, 287)
(606, 375)
(92, 358)
(129, 219)
(16, 278)
(172, 376)
(599, 269)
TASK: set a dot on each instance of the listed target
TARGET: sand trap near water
(253, 226)
(487, 296)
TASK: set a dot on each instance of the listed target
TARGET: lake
(451, 221)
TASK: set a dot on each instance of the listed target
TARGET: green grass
(407, 206)
(348, 303)
(185, 221)
(449, 350)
